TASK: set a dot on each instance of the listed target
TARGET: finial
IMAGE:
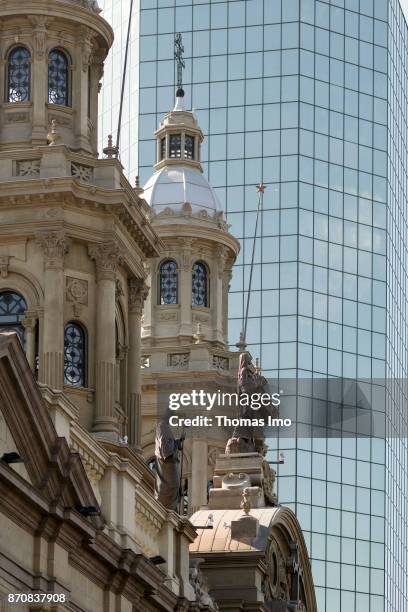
(261, 188)
(53, 135)
(246, 504)
(241, 345)
(110, 151)
(137, 181)
(178, 54)
(199, 336)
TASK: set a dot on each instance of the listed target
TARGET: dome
(172, 186)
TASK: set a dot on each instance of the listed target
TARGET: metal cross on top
(178, 54)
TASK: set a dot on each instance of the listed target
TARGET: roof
(172, 186)
(219, 539)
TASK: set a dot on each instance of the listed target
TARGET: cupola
(178, 177)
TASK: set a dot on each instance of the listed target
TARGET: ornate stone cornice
(54, 245)
(138, 292)
(107, 257)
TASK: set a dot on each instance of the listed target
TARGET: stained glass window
(58, 78)
(74, 355)
(175, 145)
(19, 75)
(200, 284)
(189, 147)
(168, 282)
(12, 311)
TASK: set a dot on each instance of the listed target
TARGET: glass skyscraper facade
(310, 97)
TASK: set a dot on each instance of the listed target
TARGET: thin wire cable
(124, 79)
(252, 264)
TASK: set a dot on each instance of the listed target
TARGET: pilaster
(138, 291)
(107, 256)
(39, 78)
(54, 245)
(185, 280)
(30, 324)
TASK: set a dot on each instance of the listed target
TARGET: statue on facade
(168, 476)
(248, 439)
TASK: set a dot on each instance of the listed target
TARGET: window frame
(161, 264)
(9, 54)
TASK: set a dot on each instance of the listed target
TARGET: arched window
(18, 75)
(168, 289)
(58, 78)
(74, 355)
(12, 310)
(200, 284)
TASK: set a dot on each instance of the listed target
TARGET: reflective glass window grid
(19, 75)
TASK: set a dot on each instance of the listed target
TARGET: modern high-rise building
(309, 96)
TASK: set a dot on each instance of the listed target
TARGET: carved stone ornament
(30, 167)
(168, 316)
(4, 265)
(40, 24)
(82, 173)
(138, 292)
(54, 246)
(220, 363)
(107, 257)
(76, 290)
(178, 360)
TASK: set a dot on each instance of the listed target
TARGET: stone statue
(201, 588)
(247, 439)
(168, 477)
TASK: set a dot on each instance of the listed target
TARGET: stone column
(29, 324)
(185, 290)
(199, 474)
(107, 257)
(54, 246)
(138, 292)
(39, 77)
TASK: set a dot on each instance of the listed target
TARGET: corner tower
(189, 282)
(184, 327)
(73, 234)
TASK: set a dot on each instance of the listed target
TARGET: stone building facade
(74, 239)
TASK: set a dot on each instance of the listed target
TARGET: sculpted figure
(167, 453)
(247, 439)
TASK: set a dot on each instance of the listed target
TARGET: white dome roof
(172, 186)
